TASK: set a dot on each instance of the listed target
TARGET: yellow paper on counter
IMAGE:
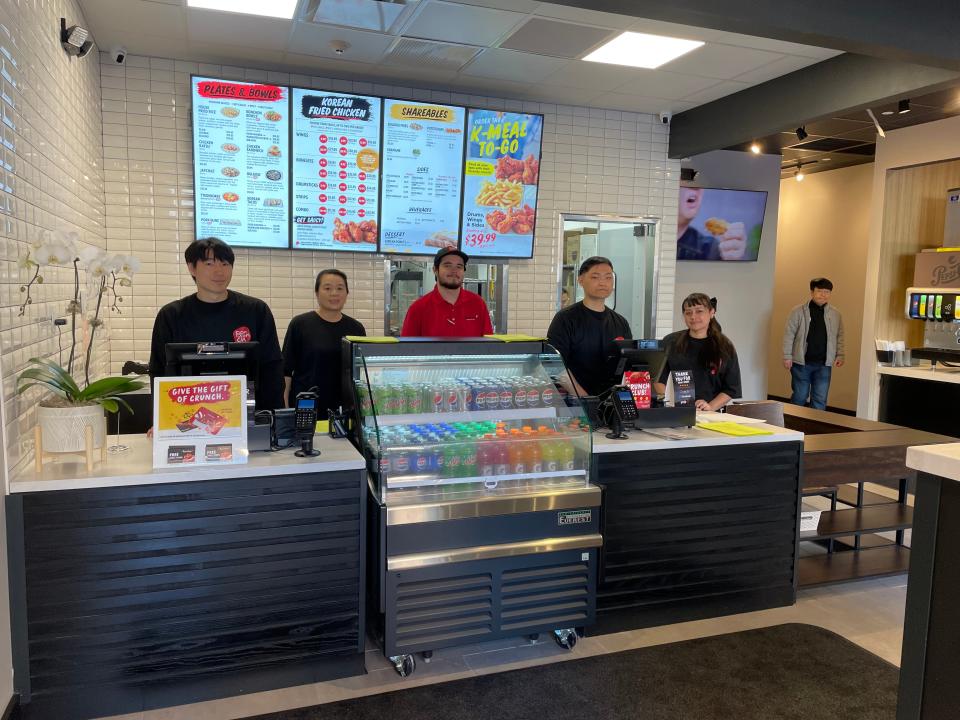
(323, 426)
(515, 338)
(731, 428)
(372, 339)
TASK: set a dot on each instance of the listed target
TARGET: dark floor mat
(785, 672)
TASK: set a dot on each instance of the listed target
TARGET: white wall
(744, 291)
(917, 145)
(594, 161)
(822, 232)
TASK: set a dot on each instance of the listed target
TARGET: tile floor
(869, 613)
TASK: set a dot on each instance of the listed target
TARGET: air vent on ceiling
(410, 52)
(559, 39)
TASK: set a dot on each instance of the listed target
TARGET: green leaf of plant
(109, 405)
(108, 386)
(65, 378)
(27, 386)
(119, 400)
(42, 377)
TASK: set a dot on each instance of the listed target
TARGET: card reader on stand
(306, 423)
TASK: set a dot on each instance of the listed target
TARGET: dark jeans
(810, 382)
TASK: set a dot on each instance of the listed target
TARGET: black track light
(802, 133)
(903, 107)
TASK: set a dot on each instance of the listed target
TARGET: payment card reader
(305, 423)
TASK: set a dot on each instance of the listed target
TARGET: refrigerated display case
(483, 522)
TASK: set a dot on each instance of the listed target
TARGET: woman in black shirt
(707, 351)
(311, 347)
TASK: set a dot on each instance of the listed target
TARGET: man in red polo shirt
(448, 310)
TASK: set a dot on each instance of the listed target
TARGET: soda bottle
(468, 461)
(485, 456)
(548, 394)
(566, 455)
(419, 461)
(401, 463)
(451, 460)
(518, 461)
(501, 455)
(551, 461)
(414, 399)
(432, 399)
(519, 392)
(506, 395)
(533, 392)
(451, 398)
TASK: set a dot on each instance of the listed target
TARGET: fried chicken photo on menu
(517, 221)
(354, 232)
(526, 171)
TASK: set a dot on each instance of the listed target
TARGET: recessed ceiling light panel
(642, 50)
(266, 8)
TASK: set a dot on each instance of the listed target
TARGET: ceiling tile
(777, 68)
(365, 47)
(241, 31)
(715, 92)
(513, 65)
(358, 14)
(227, 55)
(599, 77)
(721, 61)
(585, 17)
(325, 67)
(468, 24)
(548, 37)
(837, 126)
(867, 134)
(142, 15)
(523, 6)
(664, 84)
(416, 53)
(495, 88)
(562, 95)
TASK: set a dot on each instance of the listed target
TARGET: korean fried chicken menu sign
(336, 170)
(422, 174)
(241, 141)
(199, 421)
(501, 178)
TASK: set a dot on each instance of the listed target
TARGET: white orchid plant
(106, 275)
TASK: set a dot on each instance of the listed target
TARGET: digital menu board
(336, 170)
(241, 138)
(501, 177)
(422, 176)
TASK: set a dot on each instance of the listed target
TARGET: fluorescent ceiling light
(642, 50)
(266, 8)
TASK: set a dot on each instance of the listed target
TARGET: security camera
(340, 46)
(119, 54)
(665, 118)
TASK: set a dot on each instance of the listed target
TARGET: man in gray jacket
(813, 346)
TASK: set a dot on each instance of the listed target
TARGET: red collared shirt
(432, 316)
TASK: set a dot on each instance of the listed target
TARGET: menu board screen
(336, 170)
(502, 174)
(241, 138)
(422, 175)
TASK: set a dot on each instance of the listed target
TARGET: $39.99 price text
(479, 239)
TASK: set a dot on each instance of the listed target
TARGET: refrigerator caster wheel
(404, 664)
(533, 638)
(566, 639)
(427, 655)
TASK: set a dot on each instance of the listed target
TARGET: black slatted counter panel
(693, 533)
(154, 595)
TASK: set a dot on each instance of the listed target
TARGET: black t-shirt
(239, 318)
(708, 381)
(816, 352)
(584, 338)
(312, 357)
(694, 245)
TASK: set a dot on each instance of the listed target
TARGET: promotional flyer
(422, 173)
(199, 420)
(336, 171)
(501, 178)
(240, 147)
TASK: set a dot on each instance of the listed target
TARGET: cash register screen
(625, 396)
(642, 355)
(306, 404)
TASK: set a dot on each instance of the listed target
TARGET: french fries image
(502, 193)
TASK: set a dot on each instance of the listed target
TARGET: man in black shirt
(312, 355)
(584, 333)
(215, 314)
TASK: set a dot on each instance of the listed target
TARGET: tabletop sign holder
(40, 455)
(199, 421)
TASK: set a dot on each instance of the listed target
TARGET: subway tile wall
(594, 162)
(51, 179)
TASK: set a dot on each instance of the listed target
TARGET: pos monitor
(214, 358)
(642, 355)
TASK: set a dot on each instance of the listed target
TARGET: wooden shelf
(849, 565)
(879, 518)
(847, 494)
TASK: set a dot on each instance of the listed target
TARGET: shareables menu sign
(501, 178)
(240, 148)
(422, 171)
(336, 170)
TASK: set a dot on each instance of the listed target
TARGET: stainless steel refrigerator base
(488, 552)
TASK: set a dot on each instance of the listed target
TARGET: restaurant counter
(697, 527)
(923, 397)
(133, 588)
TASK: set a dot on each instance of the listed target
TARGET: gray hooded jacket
(798, 325)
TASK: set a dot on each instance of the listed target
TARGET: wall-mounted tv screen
(720, 224)
(501, 177)
(241, 143)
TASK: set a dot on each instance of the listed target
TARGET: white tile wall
(51, 178)
(594, 162)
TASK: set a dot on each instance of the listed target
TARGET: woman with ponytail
(707, 351)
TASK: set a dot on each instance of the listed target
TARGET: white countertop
(942, 460)
(693, 438)
(135, 467)
(924, 372)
